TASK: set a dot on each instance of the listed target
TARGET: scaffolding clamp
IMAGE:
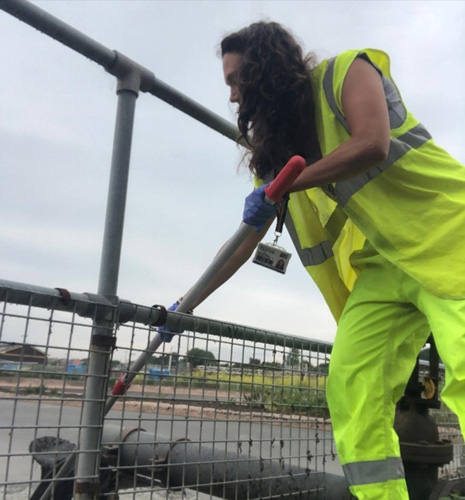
(65, 295)
(89, 487)
(132, 76)
(103, 340)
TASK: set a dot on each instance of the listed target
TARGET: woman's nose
(234, 97)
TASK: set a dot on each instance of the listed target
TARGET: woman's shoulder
(377, 56)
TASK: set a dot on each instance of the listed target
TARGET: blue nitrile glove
(167, 334)
(257, 210)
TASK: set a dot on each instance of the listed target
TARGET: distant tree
(254, 361)
(323, 368)
(164, 359)
(312, 368)
(55, 362)
(272, 365)
(115, 363)
(155, 360)
(200, 357)
(293, 357)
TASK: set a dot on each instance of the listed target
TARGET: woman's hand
(257, 210)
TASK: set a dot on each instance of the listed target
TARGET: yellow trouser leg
(379, 336)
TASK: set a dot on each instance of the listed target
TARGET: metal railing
(222, 411)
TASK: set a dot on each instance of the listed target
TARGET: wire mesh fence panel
(222, 412)
(449, 431)
(242, 419)
(43, 357)
(212, 415)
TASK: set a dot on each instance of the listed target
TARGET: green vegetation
(292, 393)
(264, 386)
(200, 357)
(259, 389)
(41, 389)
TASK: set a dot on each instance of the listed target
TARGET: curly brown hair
(276, 113)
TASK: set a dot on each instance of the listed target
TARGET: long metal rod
(215, 267)
(52, 26)
(275, 191)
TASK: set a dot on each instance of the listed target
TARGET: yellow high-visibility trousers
(386, 322)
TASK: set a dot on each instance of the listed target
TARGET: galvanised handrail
(89, 305)
(115, 63)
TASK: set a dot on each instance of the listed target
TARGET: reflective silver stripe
(374, 471)
(317, 254)
(335, 224)
(309, 256)
(329, 93)
(413, 139)
(396, 108)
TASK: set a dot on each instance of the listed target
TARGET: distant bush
(291, 393)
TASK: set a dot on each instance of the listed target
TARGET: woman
(378, 220)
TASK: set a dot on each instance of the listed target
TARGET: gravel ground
(21, 493)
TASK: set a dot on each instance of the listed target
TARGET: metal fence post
(86, 485)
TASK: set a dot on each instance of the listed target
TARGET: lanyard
(281, 217)
(269, 254)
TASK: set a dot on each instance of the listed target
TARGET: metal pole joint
(152, 316)
(131, 75)
(103, 307)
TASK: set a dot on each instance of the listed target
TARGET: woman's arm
(365, 109)
(364, 106)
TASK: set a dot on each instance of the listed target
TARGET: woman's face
(232, 63)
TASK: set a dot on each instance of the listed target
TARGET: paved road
(29, 420)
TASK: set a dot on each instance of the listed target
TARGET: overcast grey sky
(57, 112)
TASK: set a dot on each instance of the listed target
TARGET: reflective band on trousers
(374, 471)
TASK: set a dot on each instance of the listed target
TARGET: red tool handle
(278, 188)
(121, 386)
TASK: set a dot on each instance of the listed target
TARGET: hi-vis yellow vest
(411, 207)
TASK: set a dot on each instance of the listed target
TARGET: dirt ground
(215, 406)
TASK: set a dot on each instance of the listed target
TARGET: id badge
(271, 256)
